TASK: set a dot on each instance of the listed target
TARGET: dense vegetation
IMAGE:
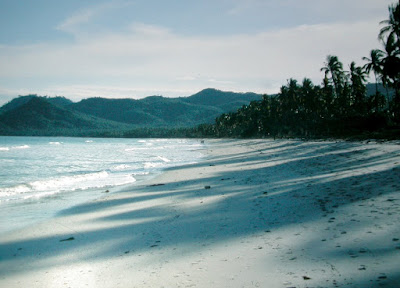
(339, 107)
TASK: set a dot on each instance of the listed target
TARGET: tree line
(339, 107)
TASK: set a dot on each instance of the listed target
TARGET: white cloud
(243, 6)
(149, 30)
(186, 78)
(70, 24)
(77, 92)
(338, 10)
(75, 23)
(153, 60)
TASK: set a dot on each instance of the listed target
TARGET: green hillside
(38, 116)
(35, 115)
(158, 111)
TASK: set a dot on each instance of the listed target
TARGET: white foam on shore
(14, 147)
(165, 159)
(21, 147)
(121, 167)
(44, 188)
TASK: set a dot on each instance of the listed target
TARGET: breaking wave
(43, 188)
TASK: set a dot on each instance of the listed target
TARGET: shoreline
(252, 213)
(29, 199)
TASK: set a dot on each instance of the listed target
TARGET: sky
(138, 48)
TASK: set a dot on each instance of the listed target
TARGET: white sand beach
(254, 213)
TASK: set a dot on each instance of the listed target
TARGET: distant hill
(223, 101)
(32, 114)
(158, 111)
(151, 111)
(371, 90)
(16, 102)
(37, 114)
(219, 98)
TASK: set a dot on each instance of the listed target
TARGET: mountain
(16, 102)
(59, 101)
(158, 111)
(35, 115)
(217, 98)
(371, 90)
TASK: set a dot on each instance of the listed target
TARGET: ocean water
(39, 176)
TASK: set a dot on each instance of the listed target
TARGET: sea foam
(43, 188)
(21, 147)
(37, 167)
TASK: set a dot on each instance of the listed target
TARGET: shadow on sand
(264, 190)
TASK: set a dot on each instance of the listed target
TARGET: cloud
(76, 23)
(152, 60)
(272, 14)
(243, 6)
(186, 78)
(77, 92)
(149, 30)
(71, 23)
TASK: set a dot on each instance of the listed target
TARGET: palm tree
(391, 71)
(390, 36)
(391, 61)
(392, 24)
(374, 64)
(308, 98)
(327, 98)
(334, 67)
(358, 89)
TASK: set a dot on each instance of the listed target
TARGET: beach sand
(254, 213)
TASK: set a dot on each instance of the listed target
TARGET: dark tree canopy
(339, 107)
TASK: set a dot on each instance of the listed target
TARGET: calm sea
(39, 176)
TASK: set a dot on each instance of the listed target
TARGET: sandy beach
(254, 213)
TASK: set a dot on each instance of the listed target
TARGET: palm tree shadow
(245, 201)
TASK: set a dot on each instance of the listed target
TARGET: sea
(41, 176)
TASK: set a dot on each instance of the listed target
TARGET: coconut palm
(374, 64)
(308, 97)
(391, 71)
(391, 60)
(358, 78)
(390, 36)
(335, 68)
(392, 24)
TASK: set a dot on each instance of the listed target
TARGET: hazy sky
(124, 48)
